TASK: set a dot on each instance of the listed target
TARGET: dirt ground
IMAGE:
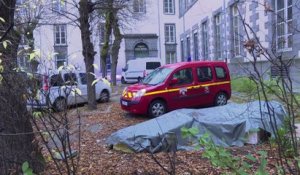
(97, 158)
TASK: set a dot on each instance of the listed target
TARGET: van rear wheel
(139, 79)
(104, 96)
(157, 108)
(220, 99)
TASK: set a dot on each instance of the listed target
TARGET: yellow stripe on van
(189, 87)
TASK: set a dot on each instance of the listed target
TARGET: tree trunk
(105, 47)
(17, 142)
(115, 48)
(29, 34)
(85, 9)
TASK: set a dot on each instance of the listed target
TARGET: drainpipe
(226, 45)
(159, 33)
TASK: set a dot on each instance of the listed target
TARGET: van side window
(204, 74)
(152, 65)
(56, 80)
(70, 78)
(184, 76)
(220, 72)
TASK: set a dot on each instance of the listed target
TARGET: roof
(176, 65)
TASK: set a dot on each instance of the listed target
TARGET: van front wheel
(157, 108)
(123, 80)
(220, 99)
(60, 104)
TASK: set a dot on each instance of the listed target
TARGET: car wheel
(123, 80)
(104, 96)
(157, 108)
(139, 79)
(60, 104)
(221, 99)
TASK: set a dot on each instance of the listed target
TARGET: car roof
(183, 64)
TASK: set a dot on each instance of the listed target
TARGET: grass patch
(243, 85)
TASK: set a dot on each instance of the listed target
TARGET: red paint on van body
(208, 79)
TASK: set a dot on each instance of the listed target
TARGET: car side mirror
(124, 69)
(174, 81)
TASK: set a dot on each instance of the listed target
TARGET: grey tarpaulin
(227, 125)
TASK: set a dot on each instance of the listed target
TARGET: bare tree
(117, 14)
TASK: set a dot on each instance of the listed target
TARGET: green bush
(243, 84)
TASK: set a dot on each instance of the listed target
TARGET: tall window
(196, 46)
(60, 59)
(170, 33)
(23, 61)
(170, 57)
(60, 34)
(139, 6)
(284, 20)
(102, 32)
(218, 36)
(188, 49)
(169, 7)
(141, 50)
(182, 50)
(205, 40)
(59, 6)
(236, 31)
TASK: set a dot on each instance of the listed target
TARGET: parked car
(67, 88)
(180, 85)
(136, 70)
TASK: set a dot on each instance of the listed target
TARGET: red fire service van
(179, 85)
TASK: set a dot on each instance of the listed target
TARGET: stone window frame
(205, 39)
(217, 36)
(169, 7)
(236, 33)
(169, 38)
(58, 34)
(59, 6)
(286, 23)
(139, 6)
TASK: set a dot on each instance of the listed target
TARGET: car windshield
(157, 76)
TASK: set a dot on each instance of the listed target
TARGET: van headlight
(140, 93)
(124, 91)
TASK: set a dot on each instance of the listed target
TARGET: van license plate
(125, 103)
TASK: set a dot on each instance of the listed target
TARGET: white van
(136, 70)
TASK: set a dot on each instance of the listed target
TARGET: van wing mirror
(124, 69)
(174, 81)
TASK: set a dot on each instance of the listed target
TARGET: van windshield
(157, 76)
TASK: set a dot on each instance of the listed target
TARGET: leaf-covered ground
(97, 158)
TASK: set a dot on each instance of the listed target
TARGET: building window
(182, 50)
(139, 6)
(60, 34)
(205, 40)
(102, 32)
(141, 50)
(60, 60)
(59, 6)
(236, 31)
(196, 46)
(169, 7)
(23, 61)
(218, 36)
(170, 33)
(188, 49)
(171, 57)
(284, 21)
